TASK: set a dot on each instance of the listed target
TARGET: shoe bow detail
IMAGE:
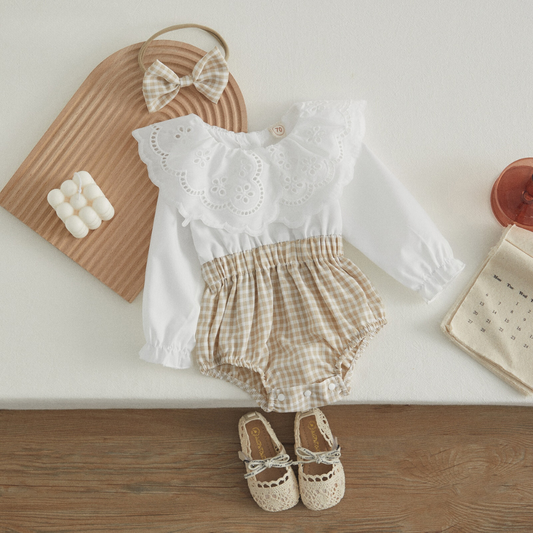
(256, 466)
(330, 457)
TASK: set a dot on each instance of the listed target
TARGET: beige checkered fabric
(286, 322)
(209, 76)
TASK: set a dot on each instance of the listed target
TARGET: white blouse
(307, 175)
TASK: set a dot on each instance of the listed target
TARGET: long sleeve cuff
(166, 355)
(440, 279)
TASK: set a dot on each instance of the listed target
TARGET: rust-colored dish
(93, 133)
(512, 195)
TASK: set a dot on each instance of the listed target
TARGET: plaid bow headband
(209, 76)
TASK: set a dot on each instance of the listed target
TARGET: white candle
(78, 201)
(82, 176)
(92, 191)
(104, 208)
(80, 204)
(69, 188)
(64, 210)
(76, 226)
(90, 217)
(55, 197)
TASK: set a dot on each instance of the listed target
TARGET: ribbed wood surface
(93, 133)
(419, 469)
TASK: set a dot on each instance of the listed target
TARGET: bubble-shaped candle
(80, 204)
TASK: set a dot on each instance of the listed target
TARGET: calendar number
(511, 319)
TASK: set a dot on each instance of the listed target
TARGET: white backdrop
(449, 89)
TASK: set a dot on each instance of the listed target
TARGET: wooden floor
(408, 469)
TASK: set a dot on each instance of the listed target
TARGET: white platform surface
(449, 92)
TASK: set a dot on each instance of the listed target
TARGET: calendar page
(494, 319)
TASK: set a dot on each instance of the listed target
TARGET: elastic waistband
(323, 248)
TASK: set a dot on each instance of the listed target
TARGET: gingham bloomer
(246, 259)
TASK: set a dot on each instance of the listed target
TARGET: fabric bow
(209, 76)
(256, 466)
(322, 458)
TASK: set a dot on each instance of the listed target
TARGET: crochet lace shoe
(269, 473)
(320, 471)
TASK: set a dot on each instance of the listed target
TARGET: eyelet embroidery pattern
(285, 182)
(315, 134)
(305, 175)
(202, 157)
(279, 158)
(219, 186)
(182, 132)
(312, 108)
(181, 139)
(292, 184)
(290, 181)
(310, 188)
(348, 125)
(247, 185)
(238, 198)
(244, 193)
(310, 166)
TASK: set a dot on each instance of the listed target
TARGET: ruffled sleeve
(172, 292)
(383, 220)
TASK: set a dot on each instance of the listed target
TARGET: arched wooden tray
(93, 133)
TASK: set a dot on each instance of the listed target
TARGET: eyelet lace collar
(242, 182)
